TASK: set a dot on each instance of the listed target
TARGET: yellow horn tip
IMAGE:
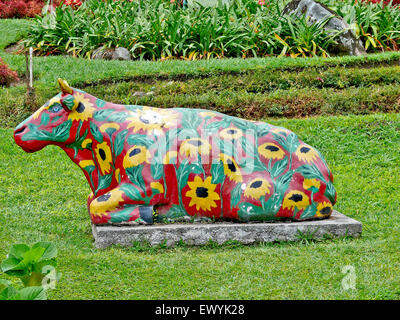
(65, 88)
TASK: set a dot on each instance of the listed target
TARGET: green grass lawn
(43, 197)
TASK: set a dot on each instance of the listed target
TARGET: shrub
(20, 8)
(161, 29)
(24, 8)
(7, 76)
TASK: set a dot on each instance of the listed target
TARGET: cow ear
(68, 102)
(65, 88)
(68, 99)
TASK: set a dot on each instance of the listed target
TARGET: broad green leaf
(4, 284)
(249, 148)
(184, 171)
(176, 212)
(6, 290)
(31, 257)
(62, 131)
(104, 182)
(136, 177)
(309, 212)
(50, 250)
(131, 192)
(119, 142)
(279, 167)
(69, 101)
(139, 140)
(292, 142)
(236, 195)
(263, 130)
(330, 192)
(101, 115)
(96, 132)
(122, 215)
(9, 264)
(118, 116)
(311, 171)
(217, 172)
(100, 103)
(282, 183)
(185, 134)
(157, 170)
(44, 120)
(30, 293)
(213, 126)
(18, 250)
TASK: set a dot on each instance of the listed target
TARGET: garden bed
(162, 29)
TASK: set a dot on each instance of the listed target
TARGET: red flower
(20, 8)
(73, 3)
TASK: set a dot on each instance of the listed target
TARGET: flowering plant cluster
(385, 2)
(73, 3)
(7, 76)
(30, 8)
(20, 8)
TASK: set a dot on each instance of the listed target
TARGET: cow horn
(65, 88)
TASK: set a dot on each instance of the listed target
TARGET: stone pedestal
(337, 225)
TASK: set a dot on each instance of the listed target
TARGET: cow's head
(55, 122)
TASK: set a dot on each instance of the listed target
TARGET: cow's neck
(82, 153)
(80, 161)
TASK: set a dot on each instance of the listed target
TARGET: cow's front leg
(114, 207)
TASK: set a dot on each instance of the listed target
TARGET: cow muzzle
(29, 145)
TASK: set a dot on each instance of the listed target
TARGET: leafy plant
(30, 265)
(305, 39)
(8, 292)
(162, 30)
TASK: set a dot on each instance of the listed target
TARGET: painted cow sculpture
(144, 162)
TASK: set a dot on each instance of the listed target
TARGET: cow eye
(55, 108)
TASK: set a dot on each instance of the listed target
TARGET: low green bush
(256, 94)
(251, 94)
(161, 30)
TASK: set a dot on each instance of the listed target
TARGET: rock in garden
(318, 12)
(103, 53)
(121, 54)
(112, 54)
(139, 94)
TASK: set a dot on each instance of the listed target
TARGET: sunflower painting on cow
(180, 162)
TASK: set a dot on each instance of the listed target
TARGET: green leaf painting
(96, 132)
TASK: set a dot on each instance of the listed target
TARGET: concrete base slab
(200, 233)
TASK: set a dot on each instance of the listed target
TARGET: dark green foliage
(160, 30)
